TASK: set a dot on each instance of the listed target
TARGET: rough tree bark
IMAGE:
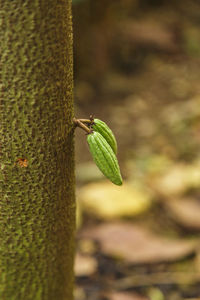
(36, 155)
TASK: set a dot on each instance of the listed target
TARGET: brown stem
(87, 121)
(78, 123)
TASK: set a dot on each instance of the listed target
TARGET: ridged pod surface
(106, 132)
(104, 157)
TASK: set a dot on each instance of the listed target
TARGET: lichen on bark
(36, 127)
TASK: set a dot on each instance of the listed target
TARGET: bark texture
(36, 156)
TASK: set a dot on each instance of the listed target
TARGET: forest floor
(141, 241)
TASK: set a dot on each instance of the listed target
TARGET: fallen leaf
(124, 296)
(137, 245)
(177, 180)
(155, 294)
(84, 265)
(149, 34)
(109, 201)
(186, 212)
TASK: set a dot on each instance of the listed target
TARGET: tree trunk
(37, 210)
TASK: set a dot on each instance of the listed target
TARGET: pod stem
(86, 121)
(79, 123)
(89, 121)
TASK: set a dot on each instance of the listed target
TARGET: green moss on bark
(36, 110)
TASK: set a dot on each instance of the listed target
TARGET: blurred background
(137, 67)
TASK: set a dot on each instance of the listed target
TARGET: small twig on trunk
(79, 123)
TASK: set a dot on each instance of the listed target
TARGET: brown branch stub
(85, 121)
(75, 121)
(79, 123)
(89, 121)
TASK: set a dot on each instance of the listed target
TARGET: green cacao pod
(106, 132)
(104, 157)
